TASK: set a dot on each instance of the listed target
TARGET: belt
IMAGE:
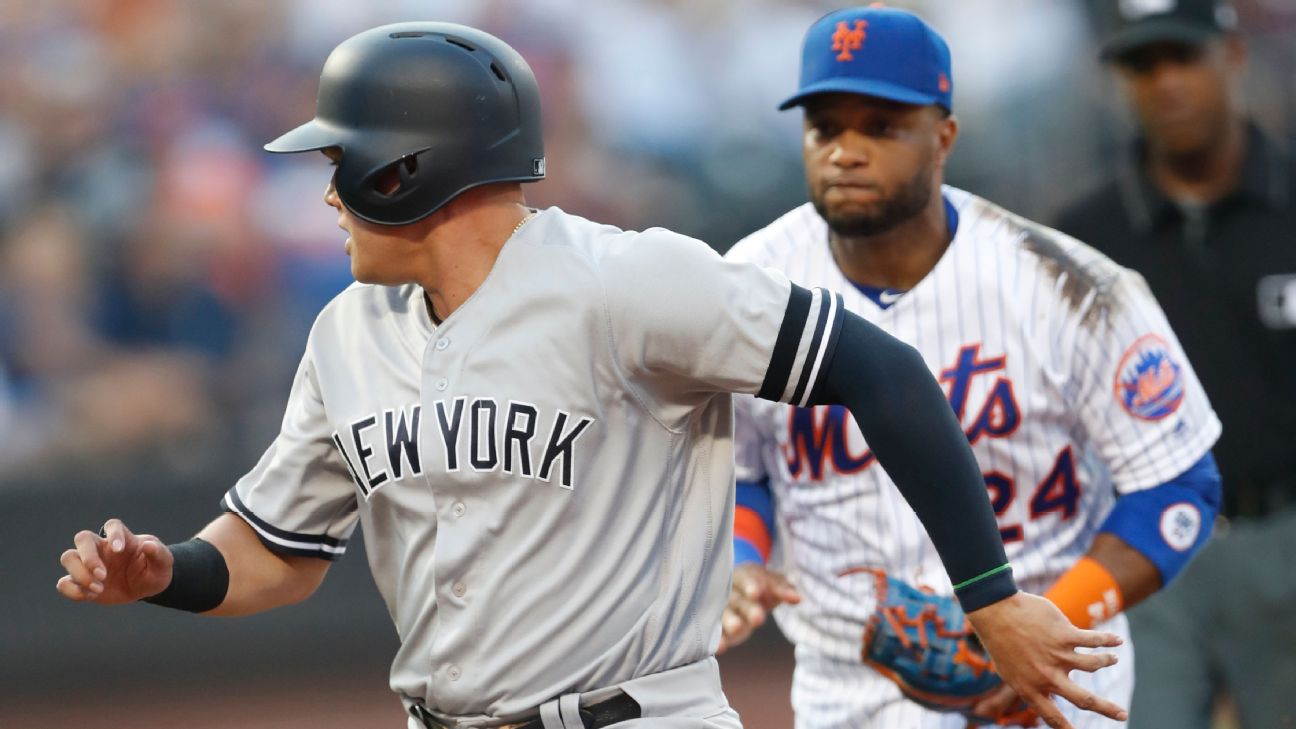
(595, 716)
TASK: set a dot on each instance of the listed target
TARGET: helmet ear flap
(396, 178)
(372, 187)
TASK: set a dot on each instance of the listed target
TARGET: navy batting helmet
(457, 106)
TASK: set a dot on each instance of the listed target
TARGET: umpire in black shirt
(1203, 206)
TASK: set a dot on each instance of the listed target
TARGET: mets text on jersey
(818, 440)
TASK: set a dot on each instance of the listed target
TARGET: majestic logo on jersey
(1149, 383)
(384, 447)
(845, 39)
(818, 437)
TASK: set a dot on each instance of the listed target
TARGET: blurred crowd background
(159, 271)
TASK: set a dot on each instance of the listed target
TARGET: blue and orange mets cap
(875, 51)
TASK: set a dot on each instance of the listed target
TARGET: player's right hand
(1034, 648)
(116, 568)
(755, 592)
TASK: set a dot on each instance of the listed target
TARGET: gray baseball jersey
(545, 479)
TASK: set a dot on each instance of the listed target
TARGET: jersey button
(458, 509)
(453, 673)
(442, 383)
(443, 343)
(459, 589)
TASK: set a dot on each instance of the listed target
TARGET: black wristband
(199, 578)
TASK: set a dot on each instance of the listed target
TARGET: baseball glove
(924, 643)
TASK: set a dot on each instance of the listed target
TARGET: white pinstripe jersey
(1062, 370)
(545, 479)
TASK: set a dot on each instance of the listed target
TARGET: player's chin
(364, 273)
(856, 222)
(856, 211)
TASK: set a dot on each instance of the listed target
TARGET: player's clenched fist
(755, 592)
(115, 568)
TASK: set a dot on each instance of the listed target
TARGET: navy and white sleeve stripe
(805, 341)
(282, 541)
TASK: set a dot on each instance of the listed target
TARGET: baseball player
(1090, 427)
(530, 414)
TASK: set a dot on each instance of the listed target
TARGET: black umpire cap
(1131, 24)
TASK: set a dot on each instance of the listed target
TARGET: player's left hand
(1034, 648)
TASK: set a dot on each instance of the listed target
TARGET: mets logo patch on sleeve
(1149, 383)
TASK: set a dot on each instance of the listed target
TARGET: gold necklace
(523, 222)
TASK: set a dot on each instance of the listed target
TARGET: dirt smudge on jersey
(1087, 279)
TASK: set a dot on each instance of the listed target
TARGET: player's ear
(946, 132)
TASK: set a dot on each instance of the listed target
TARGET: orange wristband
(1087, 593)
